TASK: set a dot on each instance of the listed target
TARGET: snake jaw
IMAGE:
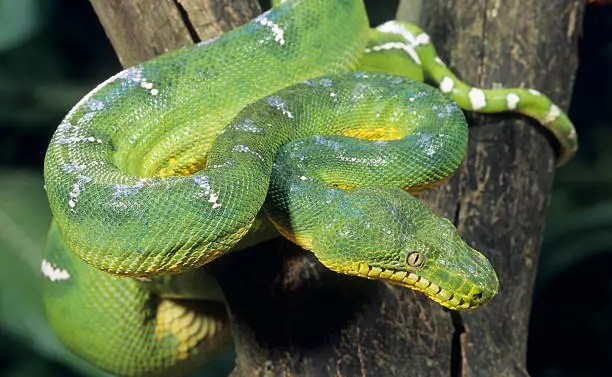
(454, 301)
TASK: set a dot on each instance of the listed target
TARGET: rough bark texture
(291, 316)
(507, 176)
(142, 29)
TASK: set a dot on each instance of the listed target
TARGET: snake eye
(415, 259)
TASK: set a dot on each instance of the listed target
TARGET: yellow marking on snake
(376, 133)
(185, 324)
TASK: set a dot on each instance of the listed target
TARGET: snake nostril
(477, 296)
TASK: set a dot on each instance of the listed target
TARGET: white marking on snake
(148, 86)
(226, 164)
(447, 84)
(76, 190)
(64, 126)
(409, 49)
(122, 190)
(477, 98)
(277, 102)
(534, 92)
(132, 75)
(326, 82)
(77, 139)
(276, 30)
(512, 100)
(247, 125)
(52, 272)
(244, 148)
(204, 43)
(202, 182)
(334, 145)
(362, 160)
(94, 105)
(213, 199)
(553, 114)
(397, 28)
(85, 118)
(423, 39)
(440, 61)
(73, 167)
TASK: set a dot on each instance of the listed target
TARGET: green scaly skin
(396, 41)
(165, 167)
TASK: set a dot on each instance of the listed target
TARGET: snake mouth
(454, 301)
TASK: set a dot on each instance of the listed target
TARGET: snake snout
(478, 296)
(486, 283)
(478, 283)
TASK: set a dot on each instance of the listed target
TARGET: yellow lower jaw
(407, 279)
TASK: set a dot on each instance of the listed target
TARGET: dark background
(52, 52)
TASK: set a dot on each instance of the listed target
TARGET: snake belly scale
(167, 166)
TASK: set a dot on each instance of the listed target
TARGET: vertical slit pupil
(415, 259)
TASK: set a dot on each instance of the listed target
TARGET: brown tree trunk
(505, 182)
(291, 316)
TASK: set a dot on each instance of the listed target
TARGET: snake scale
(167, 165)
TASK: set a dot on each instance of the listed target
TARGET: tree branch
(290, 315)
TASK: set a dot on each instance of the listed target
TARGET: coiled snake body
(166, 166)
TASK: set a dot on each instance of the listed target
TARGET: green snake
(174, 162)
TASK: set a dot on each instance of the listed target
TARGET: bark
(291, 316)
(142, 29)
(506, 179)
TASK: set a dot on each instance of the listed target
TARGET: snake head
(408, 245)
(440, 264)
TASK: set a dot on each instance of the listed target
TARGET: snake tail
(405, 49)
